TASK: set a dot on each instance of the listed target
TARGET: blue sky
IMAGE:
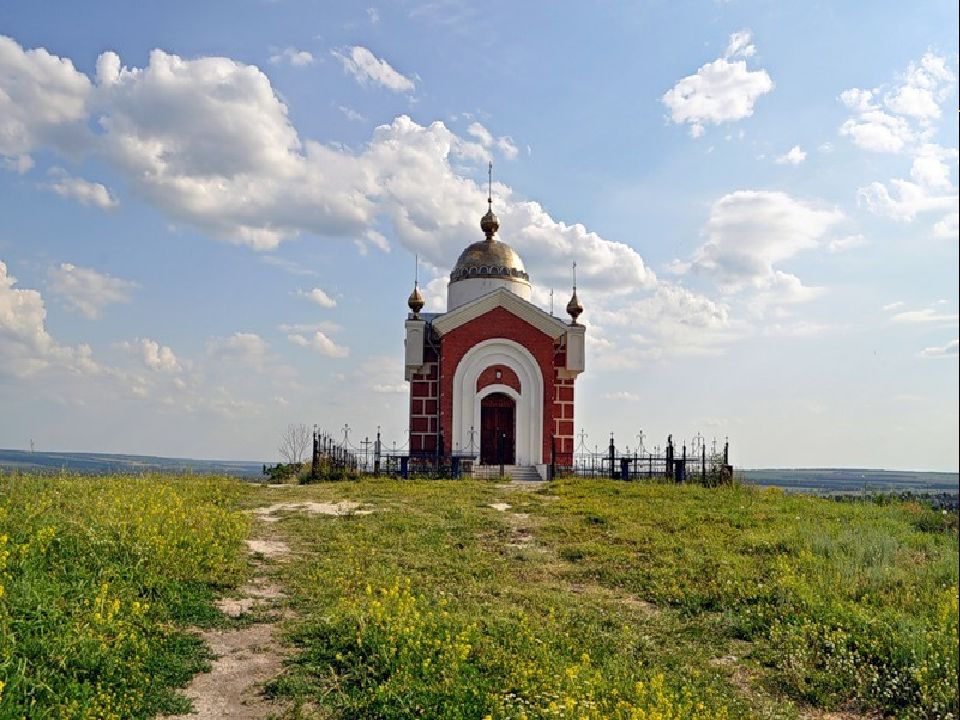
(210, 213)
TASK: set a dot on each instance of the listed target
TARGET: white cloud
(480, 133)
(670, 321)
(948, 350)
(154, 355)
(926, 316)
(319, 297)
(209, 143)
(367, 67)
(83, 191)
(878, 131)
(327, 326)
(740, 45)
(621, 395)
(292, 56)
(924, 86)
(907, 108)
(374, 15)
(847, 242)
(779, 290)
(321, 343)
(750, 231)
(86, 290)
(721, 91)
(25, 345)
(948, 228)
(351, 114)
(44, 101)
(894, 305)
(486, 139)
(245, 347)
(794, 156)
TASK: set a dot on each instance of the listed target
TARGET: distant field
(108, 463)
(469, 599)
(854, 480)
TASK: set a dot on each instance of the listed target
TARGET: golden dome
(488, 258)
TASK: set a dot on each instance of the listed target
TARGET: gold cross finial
(490, 183)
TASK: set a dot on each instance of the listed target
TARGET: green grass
(98, 579)
(584, 600)
(619, 600)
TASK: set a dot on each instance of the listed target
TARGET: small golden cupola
(574, 308)
(415, 301)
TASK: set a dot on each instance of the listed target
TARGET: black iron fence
(696, 463)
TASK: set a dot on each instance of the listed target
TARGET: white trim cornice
(509, 301)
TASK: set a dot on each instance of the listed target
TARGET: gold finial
(415, 301)
(489, 223)
(574, 308)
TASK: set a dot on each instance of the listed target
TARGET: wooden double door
(498, 429)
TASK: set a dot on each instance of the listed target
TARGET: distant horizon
(274, 460)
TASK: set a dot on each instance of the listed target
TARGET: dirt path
(247, 657)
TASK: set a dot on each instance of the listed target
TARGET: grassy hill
(458, 599)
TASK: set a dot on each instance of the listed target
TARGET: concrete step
(515, 472)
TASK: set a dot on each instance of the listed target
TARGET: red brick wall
(507, 377)
(498, 323)
(425, 404)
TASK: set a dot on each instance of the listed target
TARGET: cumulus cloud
(504, 144)
(83, 191)
(44, 101)
(948, 350)
(86, 290)
(794, 156)
(292, 56)
(930, 189)
(209, 142)
(672, 320)
(895, 119)
(366, 68)
(318, 296)
(154, 355)
(721, 91)
(750, 231)
(321, 343)
(25, 345)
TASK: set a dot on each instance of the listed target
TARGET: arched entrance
(498, 429)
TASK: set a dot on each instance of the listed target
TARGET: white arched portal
(529, 401)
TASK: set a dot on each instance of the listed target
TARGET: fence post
(624, 468)
(405, 467)
(612, 450)
(703, 464)
(670, 473)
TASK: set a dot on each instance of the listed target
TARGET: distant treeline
(108, 463)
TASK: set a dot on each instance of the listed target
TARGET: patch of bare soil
(268, 513)
(268, 548)
(246, 658)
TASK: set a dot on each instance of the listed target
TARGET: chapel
(492, 378)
